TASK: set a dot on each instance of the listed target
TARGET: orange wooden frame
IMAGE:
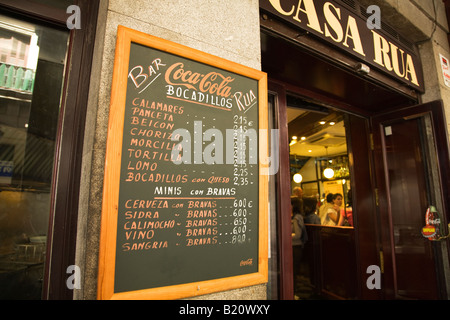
(112, 174)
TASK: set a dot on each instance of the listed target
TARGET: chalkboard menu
(185, 200)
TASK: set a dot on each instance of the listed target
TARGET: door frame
(283, 187)
(436, 112)
(64, 220)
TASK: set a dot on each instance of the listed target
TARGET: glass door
(32, 65)
(412, 169)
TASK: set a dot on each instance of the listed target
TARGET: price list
(188, 206)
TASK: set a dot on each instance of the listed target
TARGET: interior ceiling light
(293, 141)
(331, 123)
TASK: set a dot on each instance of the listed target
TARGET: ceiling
(315, 139)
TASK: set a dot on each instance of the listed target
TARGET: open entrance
(307, 87)
(323, 236)
(315, 136)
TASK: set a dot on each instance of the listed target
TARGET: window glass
(32, 61)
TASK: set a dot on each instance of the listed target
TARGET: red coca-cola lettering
(212, 82)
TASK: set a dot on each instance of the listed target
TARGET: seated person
(328, 203)
(309, 207)
(334, 213)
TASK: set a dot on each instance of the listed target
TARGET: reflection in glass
(32, 59)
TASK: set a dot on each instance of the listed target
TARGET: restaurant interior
(318, 149)
(319, 165)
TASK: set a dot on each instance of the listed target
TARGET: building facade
(377, 70)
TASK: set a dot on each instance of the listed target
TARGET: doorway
(392, 178)
(334, 257)
(297, 75)
(323, 233)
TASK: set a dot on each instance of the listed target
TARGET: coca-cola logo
(212, 82)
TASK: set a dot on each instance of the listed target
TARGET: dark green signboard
(188, 206)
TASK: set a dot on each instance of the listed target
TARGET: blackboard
(184, 208)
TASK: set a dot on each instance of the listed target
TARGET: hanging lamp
(328, 172)
(297, 177)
